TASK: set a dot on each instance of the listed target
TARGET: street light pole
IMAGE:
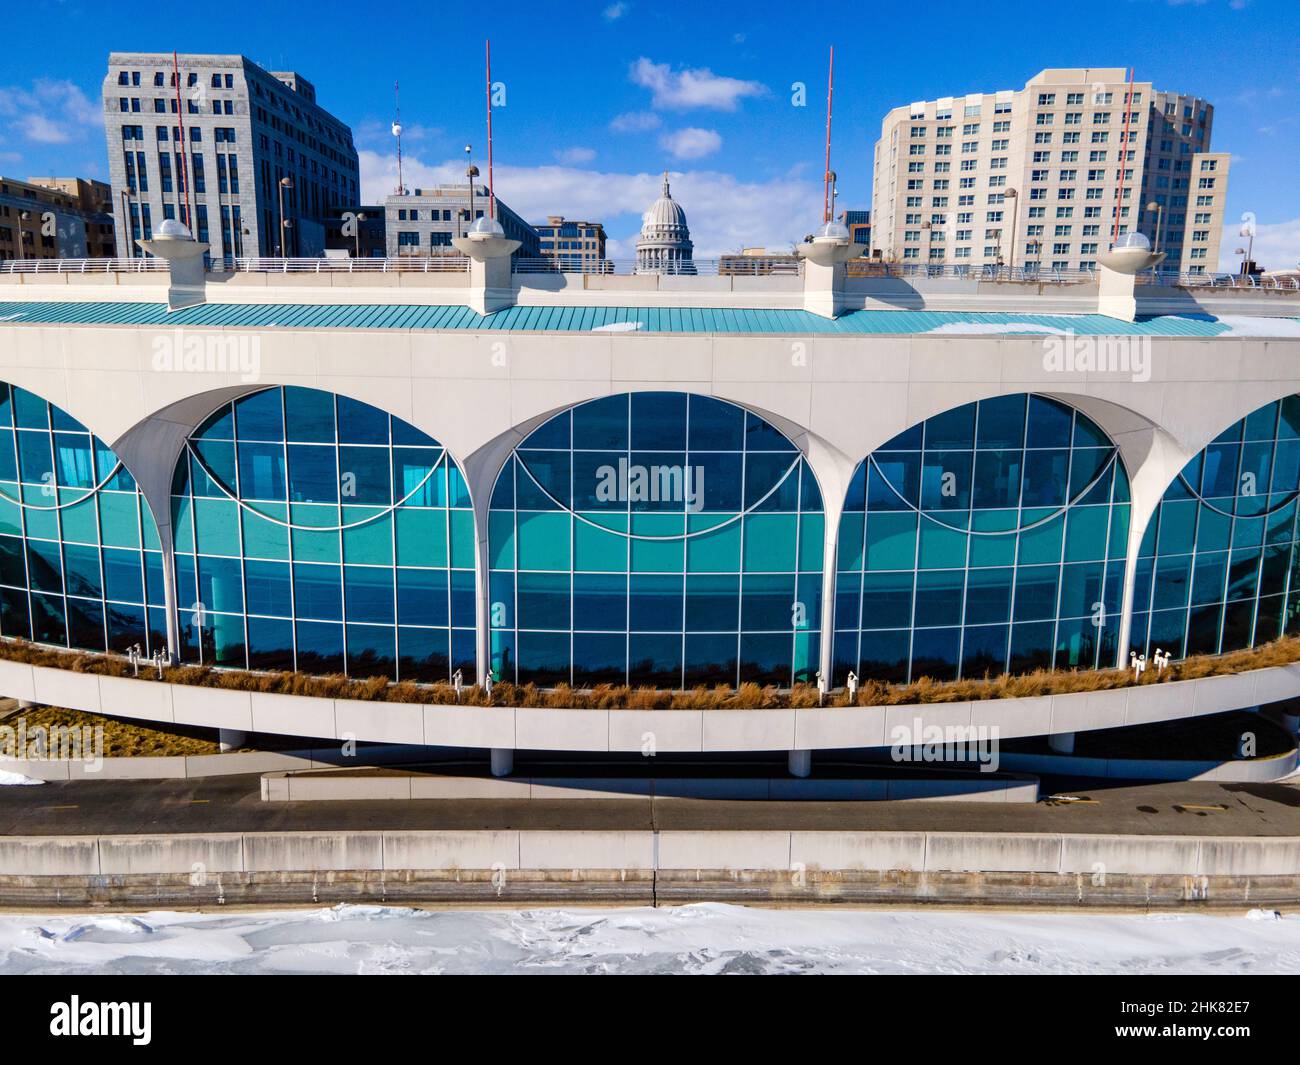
(471, 172)
(285, 183)
(361, 217)
(128, 226)
(1159, 209)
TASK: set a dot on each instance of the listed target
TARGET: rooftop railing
(83, 266)
(731, 266)
(736, 266)
(407, 264)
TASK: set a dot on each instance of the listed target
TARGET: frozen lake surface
(704, 938)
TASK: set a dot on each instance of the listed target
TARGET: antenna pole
(397, 132)
(826, 178)
(185, 161)
(492, 196)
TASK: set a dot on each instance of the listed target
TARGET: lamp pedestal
(184, 257)
(824, 273)
(490, 288)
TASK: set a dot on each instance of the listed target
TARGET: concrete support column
(503, 761)
(1061, 742)
(800, 763)
(231, 739)
(26, 704)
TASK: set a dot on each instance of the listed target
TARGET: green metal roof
(698, 320)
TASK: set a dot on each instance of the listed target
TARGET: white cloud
(684, 89)
(691, 143)
(1277, 246)
(615, 11)
(50, 112)
(635, 122)
(42, 130)
(724, 212)
(575, 156)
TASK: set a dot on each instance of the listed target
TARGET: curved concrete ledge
(331, 786)
(1245, 770)
(670, 731)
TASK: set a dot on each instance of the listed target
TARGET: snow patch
(1240, 325)
(995, 329)
(618, 327)
(702, 938)
(16, 780)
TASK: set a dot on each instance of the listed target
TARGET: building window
(80, 559)
(1216, 564)
(318, 533)
(989, 539)
(660, 539)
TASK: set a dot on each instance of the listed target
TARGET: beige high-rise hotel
(1055, 161)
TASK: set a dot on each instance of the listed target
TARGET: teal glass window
(989, 539)
(656, 538)
(1216, 567)
(80, 559)
(321, 534)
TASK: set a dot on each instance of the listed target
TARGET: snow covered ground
(705, 938)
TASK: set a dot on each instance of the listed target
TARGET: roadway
(234, 804)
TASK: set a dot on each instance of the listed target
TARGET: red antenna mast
(492, 196)
(1123, 154)
(397, 132)
(826, 178)
(185, 161)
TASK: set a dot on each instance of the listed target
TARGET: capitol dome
(664, 246)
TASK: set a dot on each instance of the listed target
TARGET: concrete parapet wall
(640, 851)
(624, 730)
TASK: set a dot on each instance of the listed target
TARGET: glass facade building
(318, 533)
(990, 538)
(1217, 567)
(650, 538)
(655, 538)
(80, 560)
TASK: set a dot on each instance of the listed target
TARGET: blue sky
(601, 97)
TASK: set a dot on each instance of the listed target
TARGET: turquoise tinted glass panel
(973, 517)
(78, 544)
(656, 538)
(306, 508)
(1221, 545)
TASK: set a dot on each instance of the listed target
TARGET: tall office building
(422, 222)
(55, 218)
(1063, 161)
(573, 245)
(218, 147)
